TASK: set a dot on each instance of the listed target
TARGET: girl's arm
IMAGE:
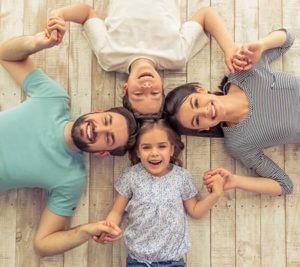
(260, 185)
(115, 216)
(214, 25)
(197, 208)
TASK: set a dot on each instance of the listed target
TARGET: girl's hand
(107, 237)
(229, 179)
(217, 185)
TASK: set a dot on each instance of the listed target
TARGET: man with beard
(41, 147)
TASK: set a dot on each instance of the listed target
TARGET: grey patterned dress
(157, 223)
(273, 117)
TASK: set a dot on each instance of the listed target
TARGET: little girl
(156, 194)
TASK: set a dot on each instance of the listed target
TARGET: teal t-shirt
(33, 152)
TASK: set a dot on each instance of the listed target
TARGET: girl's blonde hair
(173, 137)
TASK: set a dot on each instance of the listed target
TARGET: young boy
(140, 37)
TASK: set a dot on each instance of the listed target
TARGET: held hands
(55, 29)
(108, 237)
(212, 183)
(247, 56)
(104, 231)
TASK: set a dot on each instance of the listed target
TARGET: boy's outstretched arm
(78, 13)
(214, 25)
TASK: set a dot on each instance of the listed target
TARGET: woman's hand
(228, 183)
(247, 56)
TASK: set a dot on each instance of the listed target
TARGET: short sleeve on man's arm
(38, 84)
(62, 200)
(194, 38)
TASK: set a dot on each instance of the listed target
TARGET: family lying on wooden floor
(155, 191)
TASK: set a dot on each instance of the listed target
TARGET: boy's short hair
(140, 116)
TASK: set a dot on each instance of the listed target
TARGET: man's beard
(76, 134)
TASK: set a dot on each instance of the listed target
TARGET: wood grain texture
(242, 230)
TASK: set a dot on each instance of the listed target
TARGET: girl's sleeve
(188, 189)
(123, 184)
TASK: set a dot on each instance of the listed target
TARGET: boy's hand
(247, 56)
(56, 28)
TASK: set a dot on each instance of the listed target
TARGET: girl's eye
(145, 147)
(162, 146)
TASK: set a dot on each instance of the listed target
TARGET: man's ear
(102, 154)
(124, 89)
(201, 90)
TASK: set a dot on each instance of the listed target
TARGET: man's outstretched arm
(14, 53)
(52, 237)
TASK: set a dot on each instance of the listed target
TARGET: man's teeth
(89, 132)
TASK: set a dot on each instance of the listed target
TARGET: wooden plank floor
(242, 230)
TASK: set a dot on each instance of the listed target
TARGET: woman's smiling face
(200, 111)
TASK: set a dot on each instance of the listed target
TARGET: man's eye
(138, 93)
(154, 93)
(196, 104)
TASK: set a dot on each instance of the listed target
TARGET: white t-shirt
(144, 29)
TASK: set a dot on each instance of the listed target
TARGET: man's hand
(56, 28)
(106, 232)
